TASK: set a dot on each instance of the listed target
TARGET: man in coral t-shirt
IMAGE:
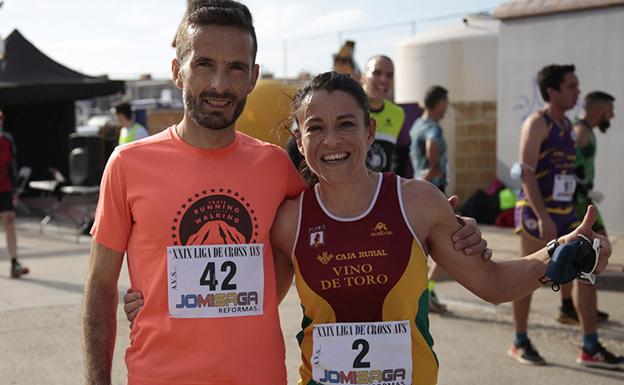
(192, 207)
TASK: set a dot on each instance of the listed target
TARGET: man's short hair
(225, 13)
(597, 97)
(435, 95)
(124, 109)
(379, 57)
(552, 76)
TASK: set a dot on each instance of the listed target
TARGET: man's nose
(220, 80)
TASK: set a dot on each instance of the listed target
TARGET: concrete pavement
(41, 326)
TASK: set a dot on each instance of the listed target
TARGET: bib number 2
(358, 363)
(362, 353)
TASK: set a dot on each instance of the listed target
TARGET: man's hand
(468, 238)
(133, 302)
(430, 174)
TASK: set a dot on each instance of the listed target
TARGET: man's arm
(581, 135)
(534, 132)
(100, 309)
(5, 152)
(468, 238)
(283, 233)
(432, 151)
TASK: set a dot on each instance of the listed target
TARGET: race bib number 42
(362, 353)
(215, 280)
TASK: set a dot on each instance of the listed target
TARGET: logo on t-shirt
(380, 230)
(325, 257)
(317, 236)
(215, 216)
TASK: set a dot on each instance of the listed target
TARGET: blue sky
(127, 38)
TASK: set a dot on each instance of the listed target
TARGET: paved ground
(41, 329)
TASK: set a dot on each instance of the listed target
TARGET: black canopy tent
(37, 96)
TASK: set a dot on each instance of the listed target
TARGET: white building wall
(461, 58)
(593, 40)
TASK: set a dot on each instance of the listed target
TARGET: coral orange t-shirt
(195, 225)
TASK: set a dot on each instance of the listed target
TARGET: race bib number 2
(212, 281)
(362, 353)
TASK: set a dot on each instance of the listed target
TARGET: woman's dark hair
(327, 81)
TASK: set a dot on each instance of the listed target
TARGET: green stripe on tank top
(305, 322)
(422, 322)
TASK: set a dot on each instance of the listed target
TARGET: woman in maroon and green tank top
(357, 242)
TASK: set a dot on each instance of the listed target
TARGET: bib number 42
(209, 277)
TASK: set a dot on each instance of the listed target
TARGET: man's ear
(176, 73)
(255, 73)
(372, 129)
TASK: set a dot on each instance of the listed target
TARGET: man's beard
(214, 120)
(604, 125)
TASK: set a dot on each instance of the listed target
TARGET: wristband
(551, 246)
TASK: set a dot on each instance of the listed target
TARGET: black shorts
(6, 201)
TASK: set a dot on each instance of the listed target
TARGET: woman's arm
(494, 282)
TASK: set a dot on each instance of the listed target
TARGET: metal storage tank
(462, 58)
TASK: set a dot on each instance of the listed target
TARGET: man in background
(130, 130)
(598, 113)
(8, 199)
(429, 161)
(545, 208)
(378, 82)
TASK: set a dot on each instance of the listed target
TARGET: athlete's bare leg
(586, 302)
(522, 306)
(8, 221)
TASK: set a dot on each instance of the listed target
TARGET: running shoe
(602, 316)
(435, 306)
(526, 354)
(601, 358)
(570, 317)
(17, 270)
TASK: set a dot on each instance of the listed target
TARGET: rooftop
(529, 8)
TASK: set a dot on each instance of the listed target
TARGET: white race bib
(215, 280)
(565, 184)
(362, 353)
